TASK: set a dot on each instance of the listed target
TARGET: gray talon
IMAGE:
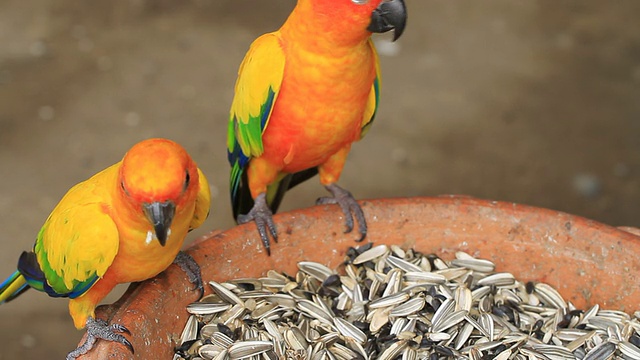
(99, 329)
(350, 208)
(192, 269)
(263, 217)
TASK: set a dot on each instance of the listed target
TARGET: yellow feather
(261, 70)
(372, 104)
(202, 202)
(79, 238)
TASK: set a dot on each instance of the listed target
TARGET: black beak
(160, 215)
(389, 15)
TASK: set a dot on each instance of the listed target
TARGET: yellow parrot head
(157, 179)
(359, 18)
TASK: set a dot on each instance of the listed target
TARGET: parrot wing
(374, 97)
(203, 202)
(259, 79)
(73, 250)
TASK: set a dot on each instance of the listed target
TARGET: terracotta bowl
(588, 262)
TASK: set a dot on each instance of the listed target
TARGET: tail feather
(12, 287)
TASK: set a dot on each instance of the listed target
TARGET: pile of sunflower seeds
(391, 303)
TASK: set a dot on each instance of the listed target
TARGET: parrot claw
(262, 215)
(350, 208)
(120, 328)
(192, 269)
(99, 329)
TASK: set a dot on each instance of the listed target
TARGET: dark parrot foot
(99, 329)
(192, 269)
(262, 215)
(350, 208)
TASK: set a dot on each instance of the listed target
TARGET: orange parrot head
(157, 177)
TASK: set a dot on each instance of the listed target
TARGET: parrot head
(156, 179)
(361, 17)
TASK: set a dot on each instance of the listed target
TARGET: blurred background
(535, 102)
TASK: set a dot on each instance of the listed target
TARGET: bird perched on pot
(124, 224)
(303, 95)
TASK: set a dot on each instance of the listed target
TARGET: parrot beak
(160, 215)
(389, 15)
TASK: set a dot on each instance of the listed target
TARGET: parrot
(304, 94)
(125, 224)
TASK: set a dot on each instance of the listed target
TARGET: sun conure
(124, 224)
(303, 95)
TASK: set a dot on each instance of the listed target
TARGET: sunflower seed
(373, 253)
(208, 351)
(295, 339)
(202, 308)
(628, 349)
(394, 350)
(348, 329)
(225, 293)
(342, 352)
(411, 306)
(486, 321)
(190, 331)
(480, 265)
(391, 300)
(550, 296)
(424, 277)
(394, 282)
(245, 349)
(498, 279)
(463, 299)
(554, 352)
(463, 336)
(601, 352)
(409, 354)
(443, 311)
(452, 319)
(314, 310)
(317, 270)
(403, 264)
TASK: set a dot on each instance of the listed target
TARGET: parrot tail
(11, 288)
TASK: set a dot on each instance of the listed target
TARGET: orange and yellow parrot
(303, 95)
(125, 224)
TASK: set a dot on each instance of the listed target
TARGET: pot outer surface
(588, 262)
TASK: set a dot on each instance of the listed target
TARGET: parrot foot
(99, 329)
(350, 208)
(192, 269)
(262, 215)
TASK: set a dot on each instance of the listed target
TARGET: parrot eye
(187, 178)
(360, 2)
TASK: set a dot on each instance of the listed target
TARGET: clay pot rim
(141, 303)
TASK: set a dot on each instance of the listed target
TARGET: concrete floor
(535, 102)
